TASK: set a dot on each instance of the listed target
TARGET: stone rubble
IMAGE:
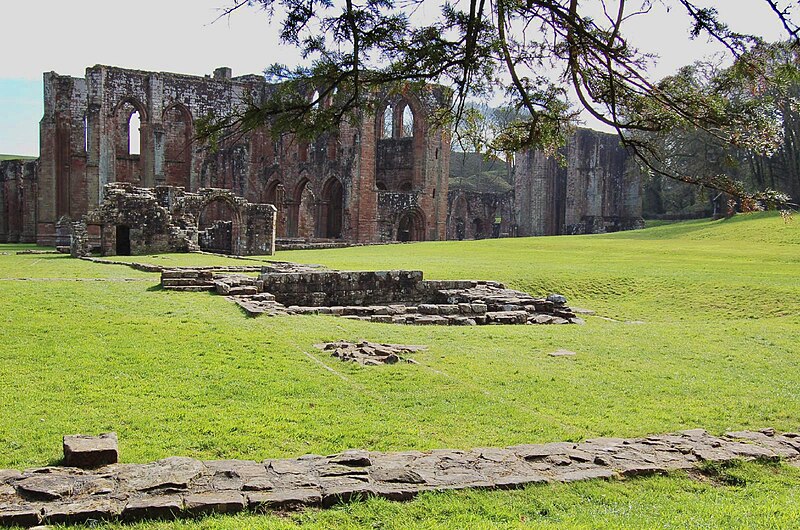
(370, 353)
(179, 487)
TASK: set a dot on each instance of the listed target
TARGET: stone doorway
(411, 226)
(333, 209)
(123, 240)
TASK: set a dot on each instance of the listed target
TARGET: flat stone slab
(179, 487)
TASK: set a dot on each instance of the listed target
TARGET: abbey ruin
(385, 178)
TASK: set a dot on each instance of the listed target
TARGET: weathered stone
(21, 515)
(586, 474)
(71, 495)
(82, 511)
(352, 458)
(214, 502)
(47, 486)
(90, 451)
(557, 299)
(153, 507)
(174, 473)
(285, 500)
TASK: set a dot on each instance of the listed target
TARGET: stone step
(190, 288)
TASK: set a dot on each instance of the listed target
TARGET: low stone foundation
(180, 487)
(395, 297)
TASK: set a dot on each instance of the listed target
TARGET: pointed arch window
(388, 122)
(408, 122)
(134, 133)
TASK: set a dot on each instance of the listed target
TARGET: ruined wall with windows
(383, 177)
(120, 125)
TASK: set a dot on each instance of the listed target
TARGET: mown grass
(700, 329)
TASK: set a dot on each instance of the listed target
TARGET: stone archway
(275, 194)
(411, 226)
(302, 220)
(332, 209)
(218, 227)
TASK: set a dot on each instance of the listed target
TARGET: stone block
(90, 451)
(24, 516)
(82, 511)
(284, 499)
(448, 309)
(478, 308)
(214, 502)
(152, 507)
(428, 309)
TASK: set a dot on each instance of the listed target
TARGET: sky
(186, 36)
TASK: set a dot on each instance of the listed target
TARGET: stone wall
(325, 188)
(18, 187)
(382, 178)
(136, 221)
(474, 215)
(597, 190)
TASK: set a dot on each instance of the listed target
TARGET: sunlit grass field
(697, 325)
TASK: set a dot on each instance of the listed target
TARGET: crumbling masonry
(384, 178)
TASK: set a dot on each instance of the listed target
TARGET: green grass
(16, 157)
(717, 312)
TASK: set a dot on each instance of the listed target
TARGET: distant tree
(537, 51)
(757, 150)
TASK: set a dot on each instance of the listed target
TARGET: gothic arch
(219, 221)
(129, 166)
(332, 209)
(178, 127)
(275, 194)
(302, 218)
(459, 215)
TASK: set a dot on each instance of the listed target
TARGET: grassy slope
(16, 157)
(188, 374)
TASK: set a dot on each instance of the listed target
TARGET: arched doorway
(332, 208)
(217, 228)
(302, 222)
(275, 194)
(411, 226)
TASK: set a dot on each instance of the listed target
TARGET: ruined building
(384, 178)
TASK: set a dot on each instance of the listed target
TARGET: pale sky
(181, 36)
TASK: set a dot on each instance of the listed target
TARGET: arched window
(408, 122)
(134, 135)
(315, 103)
(388, 122)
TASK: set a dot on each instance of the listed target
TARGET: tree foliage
(541, 54)
(758, 150)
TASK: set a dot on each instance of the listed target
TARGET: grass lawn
(16, 157)
(698, 326)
